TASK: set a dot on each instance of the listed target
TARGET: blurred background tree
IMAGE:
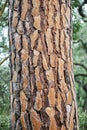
(80, 58)
(79, 16)
(4, 68)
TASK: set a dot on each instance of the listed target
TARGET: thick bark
(42, 83)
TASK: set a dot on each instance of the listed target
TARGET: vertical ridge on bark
(42, 84)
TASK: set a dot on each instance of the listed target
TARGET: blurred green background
(79, 57)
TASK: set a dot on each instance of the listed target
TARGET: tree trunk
(42, 83)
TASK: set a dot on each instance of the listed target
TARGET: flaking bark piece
(38, 103)
(15, 19)
(49, 41)
(50, 75)
(51, 112)
(37, 22)
(24, 9)
(33, 38)
(35, 120)
(23, 101)
(36, 5)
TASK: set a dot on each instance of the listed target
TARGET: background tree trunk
(42, 83)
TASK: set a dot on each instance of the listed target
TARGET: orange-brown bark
(42, 83)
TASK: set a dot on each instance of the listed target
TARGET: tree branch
(85, 87)
(79, 64)
(3, 8)
(79, 74)
(4, 46)
(2, 61)
(80, 9)
(80, 40)
(79, 82)
(84, 44)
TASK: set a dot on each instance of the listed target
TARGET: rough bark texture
(42, 83)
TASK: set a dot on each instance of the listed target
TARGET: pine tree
(42, 81)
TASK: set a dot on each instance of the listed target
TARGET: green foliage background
(79, 56)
